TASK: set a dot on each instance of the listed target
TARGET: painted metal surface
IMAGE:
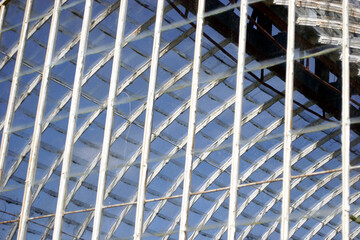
(105, 198)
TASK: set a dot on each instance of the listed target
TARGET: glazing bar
(69, 143)
(2, 19)
(35, 145)
(289, 88)
(185, 206)
(148, 123)
(109, 121)
(345, 122)
(14, 88)
(4, 2)
(235, 158)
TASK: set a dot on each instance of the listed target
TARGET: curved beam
(316, 166)
(243, 149)
(132, 118)
(335, 212)
(31, 31)
(258, 164)
(65, 99)
(139, 111)
(182, 144)
(14, 88)
(328, 218)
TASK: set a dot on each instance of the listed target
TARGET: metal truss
(179, 119)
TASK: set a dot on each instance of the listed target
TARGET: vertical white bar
(69, 143)
(2, 18)
(109, 120)
(148, 123)
(185, 206)
(14, 87)
(345, 122)
(235, 158)
(35, 144)
(288, 121)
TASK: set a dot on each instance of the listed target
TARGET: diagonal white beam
(122, 128)
(35, 145)
(148, 123)
(271, 153)
(192, 122)
(69, 142)
(355, 231)
(335, 212)
(14, 88)
(156, 133)
(66, 98)
(2, 18)
(318, 165)
(109, 120)
(30, 32)
(235, 158)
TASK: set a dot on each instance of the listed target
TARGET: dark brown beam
(264, 47)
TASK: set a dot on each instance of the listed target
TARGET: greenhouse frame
(179, 119)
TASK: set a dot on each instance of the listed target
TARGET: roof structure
(168, 119)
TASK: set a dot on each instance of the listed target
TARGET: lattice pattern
(85, 54)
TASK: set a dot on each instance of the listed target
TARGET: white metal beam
(30, 32)
(2, 18)
(66, 98)
(272, 153)
(35, 144)
(109, 120)
(140, 206)
(12, 98)
(285, 210)
(14, 88)
(192, 121)
(235, 159)
(123, 127)
(345, 122)
(69, 143)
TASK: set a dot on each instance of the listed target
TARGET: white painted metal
(235, 162)
(192, 121)
(246, 146)
(205, 157)
(272, 152)
(148, 123)
(66, 98)
(345, 122)
(14, 88)
(331, 234)
(326, 23)
(285, 210)
(30, 32)
(218, 143)
(309, 192)
(157, 132)
(2, 18)
(69, 143)
(109, 121)
(123, 127)
(35, 144)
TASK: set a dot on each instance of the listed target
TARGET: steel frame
(193, 158)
